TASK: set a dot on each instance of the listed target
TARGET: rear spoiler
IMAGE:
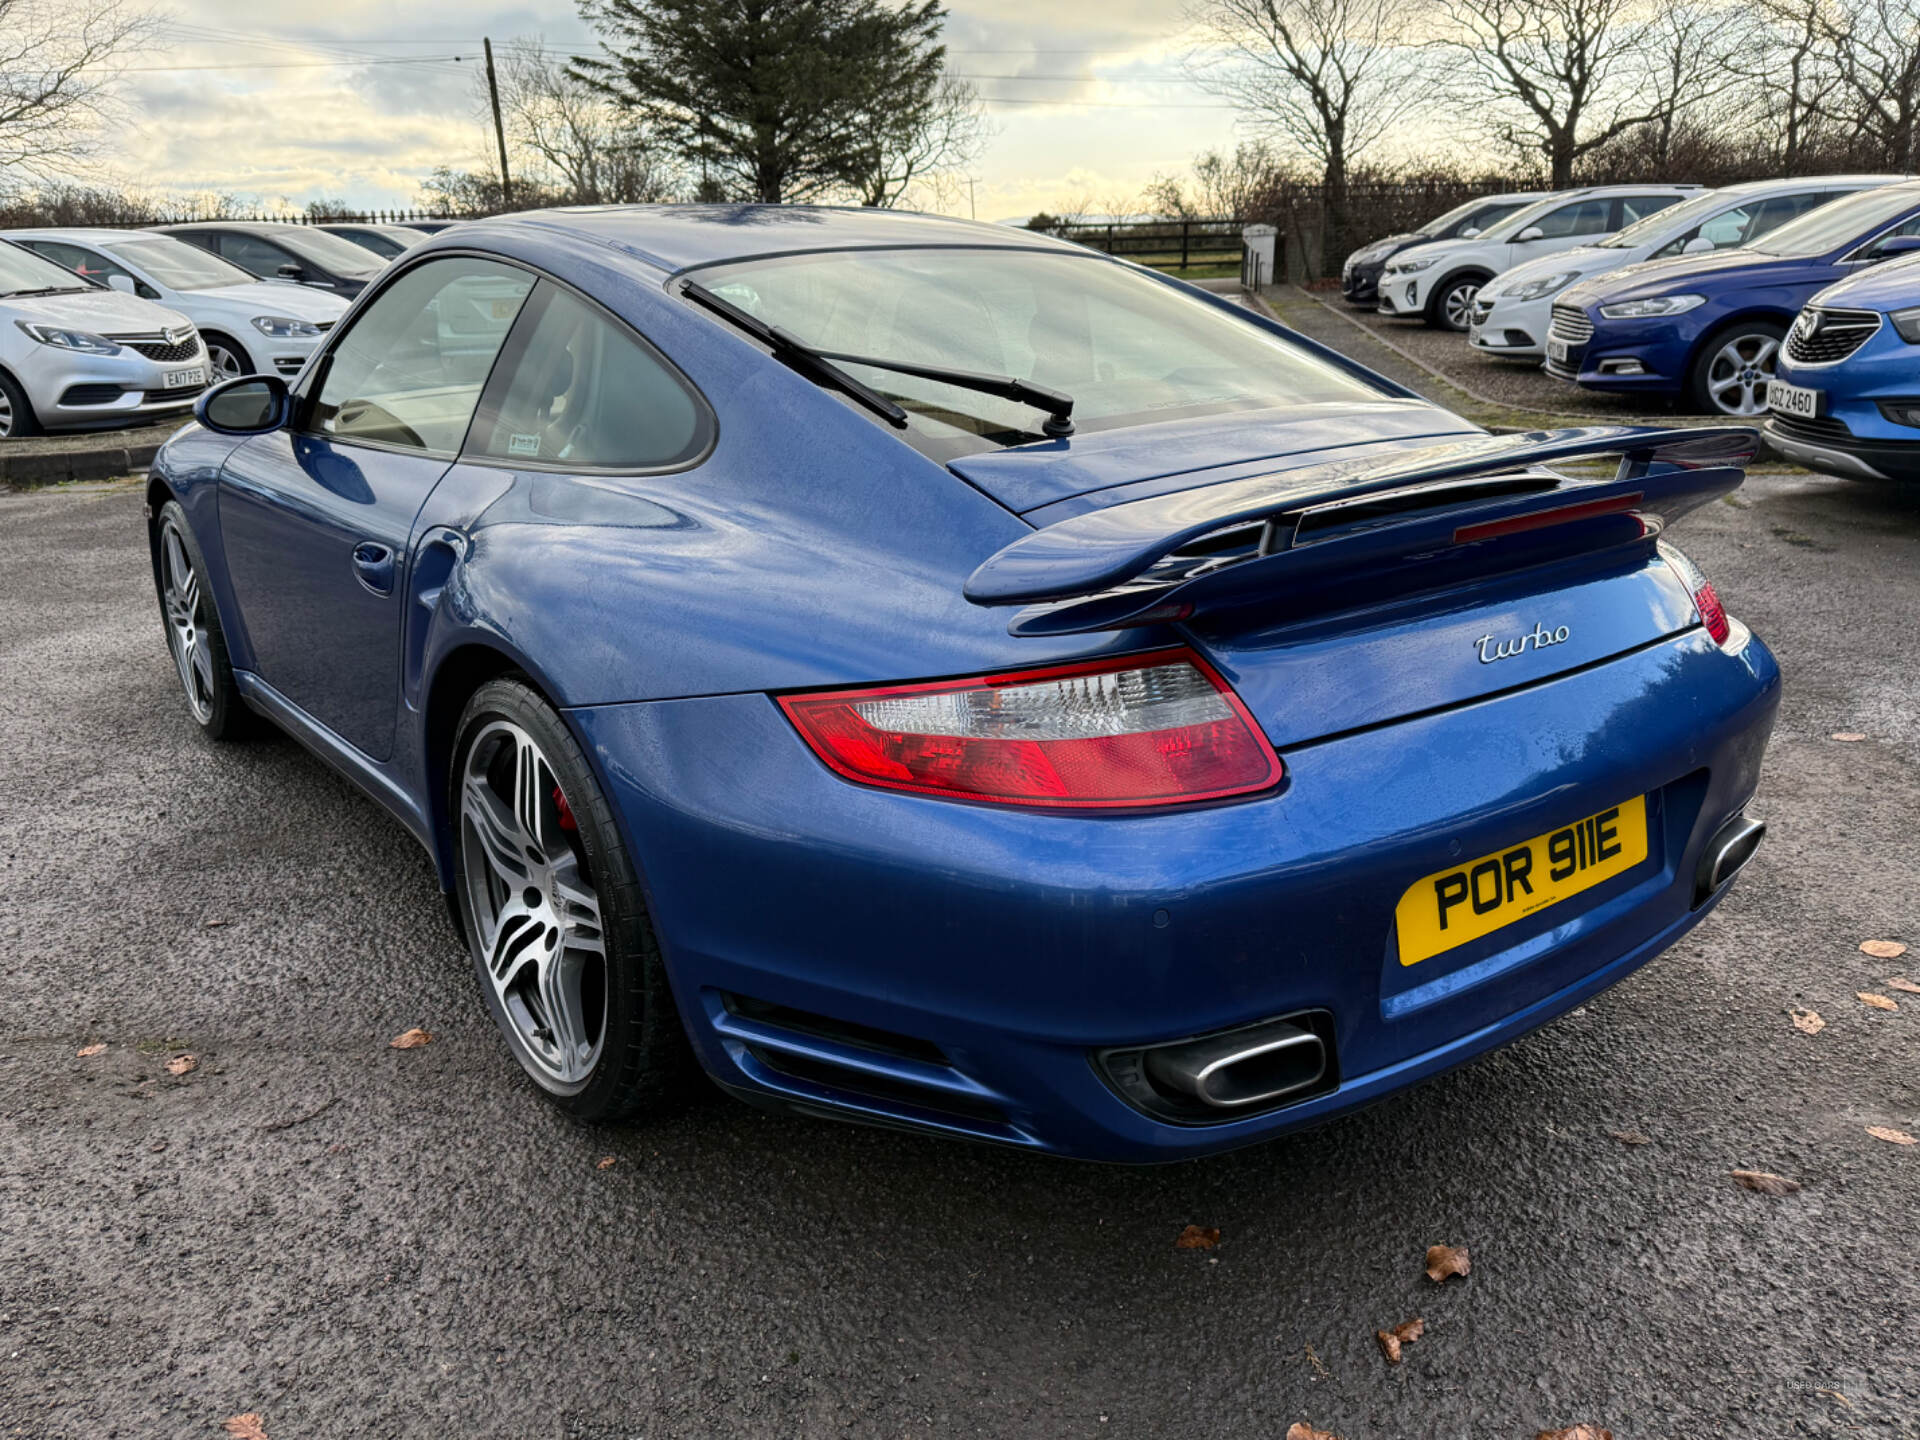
(1140, 562)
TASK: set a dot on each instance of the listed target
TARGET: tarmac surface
(346, 1240)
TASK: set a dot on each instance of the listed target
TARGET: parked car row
(125, 327)
(1746, 301)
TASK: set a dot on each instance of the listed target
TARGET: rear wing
(1463, 507)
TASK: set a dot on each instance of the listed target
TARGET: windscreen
(1839, 222)
(22, 270)
(330, 252)
(1440, 224)
(1128, 348)
(177, 265)
(1520, 219)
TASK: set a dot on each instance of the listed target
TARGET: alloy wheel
(223, 362)
(186, 634)
(535, 915)
(1457, 307)
(6, 414)
(1737, 375)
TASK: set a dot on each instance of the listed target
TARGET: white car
(1437, 281)
(74, 356)
(1511, 317)
(251, 326)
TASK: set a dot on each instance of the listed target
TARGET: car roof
(679, 237)
(97, 234)
(1801, 182)
(276, 225)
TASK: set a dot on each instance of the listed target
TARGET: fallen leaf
(1392, 1340)
(1878, 1002)
(181, 1064)
(1300, 1430)
(1631, 1137)
(1766, 1182)
(1198, 1237)
(1904, 985)
(1445, 1260)
(605, 1164)
(99, 1047)
(1808, 1022)
(215, 924)
(1579, 1432)
(1888, 1133)
(411, 1040)
(1883, 949)
(244, 1427)
(1847, 737)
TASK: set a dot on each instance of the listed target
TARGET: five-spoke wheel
(194, 637)
(1733, 371)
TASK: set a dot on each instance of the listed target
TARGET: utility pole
(499, 128)
(972, 214)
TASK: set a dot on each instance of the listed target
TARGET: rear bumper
(1009, 947)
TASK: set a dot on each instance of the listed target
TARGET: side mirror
(291, 271)
(1469, 232)
(1895, 245)
(1532, 232)
(122, 283)
(1698, 245)
(250, 405)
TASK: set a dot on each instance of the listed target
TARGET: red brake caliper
(567, 821)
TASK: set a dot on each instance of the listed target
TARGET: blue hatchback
(1846, 398)
(1705, 330)
(934, 675)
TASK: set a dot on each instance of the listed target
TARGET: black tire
(1711, 378)
(1453, 298)
(216, 340)
(17, 421)
(643, 1059)
(194, 638)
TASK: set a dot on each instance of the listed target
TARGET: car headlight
(1906, 324)
(65, 339)
(1407, 267)
(1535, 289)
(1655, 305)
(281, 327)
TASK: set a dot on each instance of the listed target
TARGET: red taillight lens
(1159, 729)
(1713, 615)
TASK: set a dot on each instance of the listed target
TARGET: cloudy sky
(293, 100)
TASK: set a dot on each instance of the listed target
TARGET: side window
(250, 252)
(410, 371)
(577, 389)
(1638, 207)
(1777, 211)
(1588, 217)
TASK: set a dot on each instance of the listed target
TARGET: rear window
(1128, 348)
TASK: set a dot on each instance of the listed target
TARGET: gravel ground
(351, 1240)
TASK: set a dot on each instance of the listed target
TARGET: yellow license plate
(1454, 906)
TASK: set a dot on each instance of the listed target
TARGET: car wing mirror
(250, 405)
(1895, 245)
(122, 283)
(1532, 232)
(1698, 245)
(291, 271)
(1469, 232)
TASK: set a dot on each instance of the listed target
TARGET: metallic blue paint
(1854, 435)
(813, 548)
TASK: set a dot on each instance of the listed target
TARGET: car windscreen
(330, 252)
(1128, 348)
(1669, 221)
(21, 269)
(178, 265)
(1839, 222)
(1440, 224)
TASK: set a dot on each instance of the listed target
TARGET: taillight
(1713, 614)
(1158, 729)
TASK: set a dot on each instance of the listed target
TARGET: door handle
(373, 564)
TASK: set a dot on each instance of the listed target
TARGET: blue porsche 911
(930, 674)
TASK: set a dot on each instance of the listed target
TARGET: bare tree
(1328, 77)
(59, 74)
(1690, 63)
(1875, 52)
(571, 138)
(1221, 186)
(909, 148)
(1553, 78)
(1788, 76)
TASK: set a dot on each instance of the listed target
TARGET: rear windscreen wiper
(1058, 406)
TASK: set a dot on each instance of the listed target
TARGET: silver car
(75, 356)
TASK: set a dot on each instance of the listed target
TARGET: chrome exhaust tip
(1243, 1068)
(1732, 846)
